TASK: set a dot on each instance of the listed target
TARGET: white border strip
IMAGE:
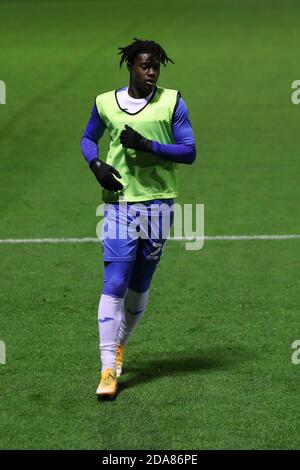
(95, 240)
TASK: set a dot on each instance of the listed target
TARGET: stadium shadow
(140, 371)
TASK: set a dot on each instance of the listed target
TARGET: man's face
(144, 71)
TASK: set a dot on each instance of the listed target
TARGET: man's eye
(147, 66)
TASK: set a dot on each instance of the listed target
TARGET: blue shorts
(136, 229)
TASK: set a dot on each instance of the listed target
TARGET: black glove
(104, 174)
(133, 140)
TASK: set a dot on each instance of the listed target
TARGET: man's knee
(116, 278)
(115, 287)
(142, 276)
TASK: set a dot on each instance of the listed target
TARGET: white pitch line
(48, 240)
(253, 237)
(186, 239)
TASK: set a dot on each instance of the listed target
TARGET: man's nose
(152, 72)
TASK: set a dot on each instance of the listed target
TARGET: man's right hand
(104, 174)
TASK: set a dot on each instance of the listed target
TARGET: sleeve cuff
(155, 147)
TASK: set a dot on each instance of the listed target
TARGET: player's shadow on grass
(180, 363)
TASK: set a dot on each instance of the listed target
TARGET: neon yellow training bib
(144, 176)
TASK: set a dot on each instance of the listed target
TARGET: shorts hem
(135, 199)
(117, 258)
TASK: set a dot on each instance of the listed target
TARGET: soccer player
(150, 134)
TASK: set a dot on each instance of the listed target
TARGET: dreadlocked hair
(129, 52)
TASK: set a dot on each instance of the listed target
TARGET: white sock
(109, 320)
(135, 305)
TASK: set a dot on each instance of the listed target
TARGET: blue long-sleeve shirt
(183, 151)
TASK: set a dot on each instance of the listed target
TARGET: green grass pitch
(210, 365)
